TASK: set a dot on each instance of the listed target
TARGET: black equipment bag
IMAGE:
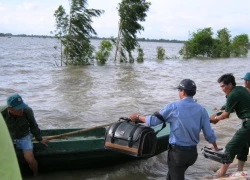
(131, 138)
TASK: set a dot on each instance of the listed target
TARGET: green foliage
(216, 49)
(187, 50)
(123, 57)
(75, 31)
(203, 44)
(130, 12)
(239, 46)
(199, 45)
(140, 57)
(224, 42)
(62, 21)
(104, 51)
(160, 52)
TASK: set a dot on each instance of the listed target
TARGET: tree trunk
(118, 41)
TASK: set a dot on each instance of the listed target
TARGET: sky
(166, 19)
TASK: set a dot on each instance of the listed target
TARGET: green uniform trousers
(239, 144)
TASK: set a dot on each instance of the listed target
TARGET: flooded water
(73, 97)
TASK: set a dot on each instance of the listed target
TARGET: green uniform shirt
(22, 125)
(9, 168)
(239, 100)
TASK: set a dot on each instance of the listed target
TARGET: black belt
(174, 146)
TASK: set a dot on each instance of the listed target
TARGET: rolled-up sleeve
(152, 120)
(206, 128)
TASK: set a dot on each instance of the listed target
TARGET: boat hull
(81, 151)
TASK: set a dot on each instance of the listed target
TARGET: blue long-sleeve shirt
(187, 118)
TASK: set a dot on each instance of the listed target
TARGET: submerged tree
(160, 52)
(62, 21)
(104, 51)
(224, 36)
(74, 31)
(130, 12)
(203, 44)
(140, 57)
(239, 46)
(199, 45)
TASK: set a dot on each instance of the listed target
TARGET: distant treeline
(145, 39)
(161, 40)
(23, 35)
(94, 37)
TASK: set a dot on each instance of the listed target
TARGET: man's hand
(43, 141)
(133, 117)
(213, 119)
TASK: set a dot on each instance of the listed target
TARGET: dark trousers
(179, 159)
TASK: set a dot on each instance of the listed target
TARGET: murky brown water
(69, 97)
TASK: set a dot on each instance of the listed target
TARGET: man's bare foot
(214, 168)
(219, 174)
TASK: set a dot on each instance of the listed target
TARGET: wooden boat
(81, 150)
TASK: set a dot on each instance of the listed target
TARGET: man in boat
(238, 100)
(187, 118)
(21, 122)
(247, 81)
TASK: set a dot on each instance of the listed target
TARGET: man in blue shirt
(187, 118)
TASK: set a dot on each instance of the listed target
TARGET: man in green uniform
(247, 81)
(238, 100)
(20, 120)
